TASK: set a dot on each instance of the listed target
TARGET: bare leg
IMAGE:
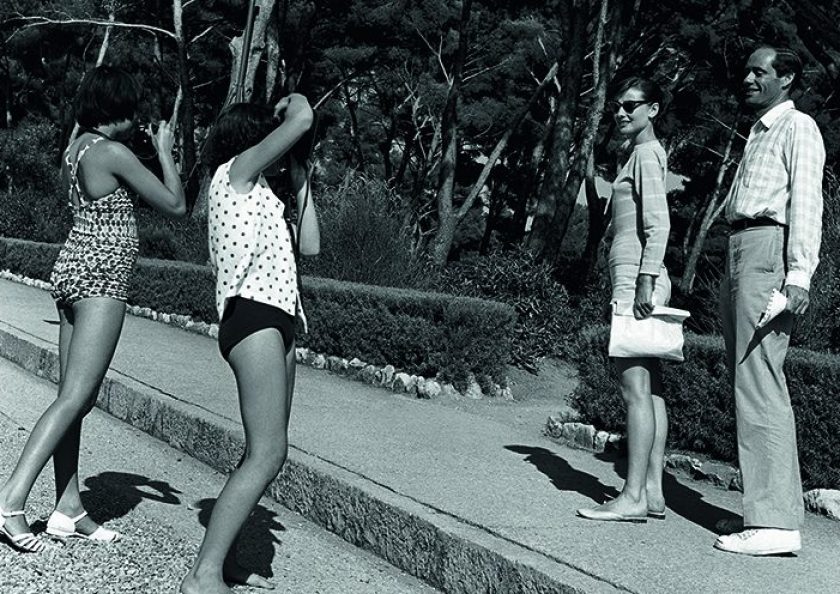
(635, 379)
(259, 365)
(233, 571)
(97, 323)
(656, 463)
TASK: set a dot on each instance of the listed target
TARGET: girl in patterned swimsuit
(251, 249)
(90, 284)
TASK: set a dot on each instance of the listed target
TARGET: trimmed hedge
(419, 332)
(426, 333)
(701, 408)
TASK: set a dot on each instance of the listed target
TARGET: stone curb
(825, 502)
(447, 552)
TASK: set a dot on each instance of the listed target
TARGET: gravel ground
(161, 500)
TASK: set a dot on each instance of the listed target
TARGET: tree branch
(38, 21)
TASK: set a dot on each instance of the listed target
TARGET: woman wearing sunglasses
(639, 227)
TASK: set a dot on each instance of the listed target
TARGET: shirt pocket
(761, 169)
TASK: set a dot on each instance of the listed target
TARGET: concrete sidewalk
(467, 503)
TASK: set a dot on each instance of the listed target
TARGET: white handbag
(660, 335)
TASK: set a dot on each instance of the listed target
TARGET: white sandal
(62, 526)
(25, 542)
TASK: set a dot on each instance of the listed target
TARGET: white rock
(825, 502)
(432, 388)
(402, 381)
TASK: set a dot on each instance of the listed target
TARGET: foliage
(547, 321)
(701, 408)
(365, 235)
(31, 201)
(424, 333)
(172, 239)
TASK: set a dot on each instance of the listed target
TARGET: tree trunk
(713, 207)
(597, 220)
(449, 159)
(536, 166)
(354, 128)
(619, 21)
(572, 57)
(185, 116)
(258, 42)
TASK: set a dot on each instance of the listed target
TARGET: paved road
(160, 499)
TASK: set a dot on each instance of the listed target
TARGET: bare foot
(656, 502)
(233, 572)
(626, 506)
(193, 584)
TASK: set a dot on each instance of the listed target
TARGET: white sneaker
(761, 541)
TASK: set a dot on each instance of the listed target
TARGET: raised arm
(308, 229)
(167, 197)
(253, 161)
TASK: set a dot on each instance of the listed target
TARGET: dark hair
(107, 95)
(786, 61)
(239, 127)
(651, 90)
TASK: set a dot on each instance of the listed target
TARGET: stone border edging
(447, 552)
(386, 376)
(824, 502)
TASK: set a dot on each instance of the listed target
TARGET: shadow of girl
(112, 495)
(256, 541)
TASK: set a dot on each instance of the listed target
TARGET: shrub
(547, 321)
(419, 332)
(172, 239)
(366, 236)
(423, 333)
(31, 199)
(700, 403)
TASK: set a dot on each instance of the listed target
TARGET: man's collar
(771, 116)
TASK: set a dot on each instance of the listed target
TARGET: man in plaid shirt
(775, 210)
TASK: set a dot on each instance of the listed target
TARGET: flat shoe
(656, 515)
(608, 516)
(62, 526)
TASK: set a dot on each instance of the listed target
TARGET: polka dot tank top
(250, 245)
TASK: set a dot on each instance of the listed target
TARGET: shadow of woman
(257, 538)
(680, 498)
(112, 495)
(563, 475)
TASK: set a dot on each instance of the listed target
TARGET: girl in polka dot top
(252, 250)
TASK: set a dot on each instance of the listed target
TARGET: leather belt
(742, 224)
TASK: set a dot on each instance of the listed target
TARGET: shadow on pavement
(680, 499)
(113, 495)
(563, 475)
(257, 539)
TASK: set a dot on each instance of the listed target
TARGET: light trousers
(767, 452)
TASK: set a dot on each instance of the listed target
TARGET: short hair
(651, 90)
(786, 61)
(239, 127)
(107, 95)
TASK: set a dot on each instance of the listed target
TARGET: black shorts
(243, 317)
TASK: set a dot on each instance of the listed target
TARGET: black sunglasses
(628, 106)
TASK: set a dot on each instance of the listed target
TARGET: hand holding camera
(164, 139)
